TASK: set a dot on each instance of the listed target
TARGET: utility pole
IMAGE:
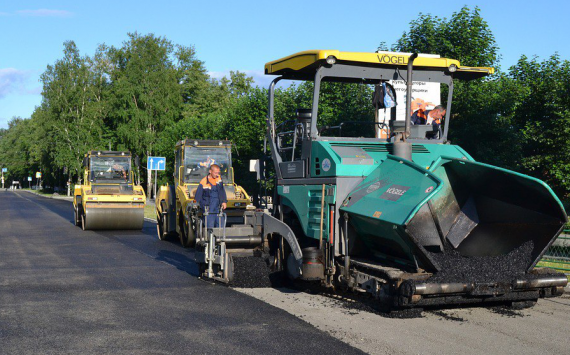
(4, 170)
(155, 179)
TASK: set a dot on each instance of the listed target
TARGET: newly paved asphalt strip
(63, 290)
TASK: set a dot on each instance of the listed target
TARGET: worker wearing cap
(211, 194)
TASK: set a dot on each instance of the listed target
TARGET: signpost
(156, 164)
(29, 181)
(4, 170)
(38, 176)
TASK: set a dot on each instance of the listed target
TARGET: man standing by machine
(211, 196)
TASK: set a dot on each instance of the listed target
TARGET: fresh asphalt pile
(251, 272)
(503, 268)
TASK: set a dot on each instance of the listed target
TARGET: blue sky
(243, 35)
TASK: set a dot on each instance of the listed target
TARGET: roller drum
(112, 217)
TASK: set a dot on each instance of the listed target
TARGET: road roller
(403, 215)
(109, 198)
(176, 211)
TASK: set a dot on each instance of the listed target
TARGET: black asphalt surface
(63, 290)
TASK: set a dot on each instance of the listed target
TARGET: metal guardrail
(557, 257)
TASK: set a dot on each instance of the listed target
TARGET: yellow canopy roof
(310, 60)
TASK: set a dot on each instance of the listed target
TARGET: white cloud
(45, 13)
(12, 80)
(16, 81)
(4, 14)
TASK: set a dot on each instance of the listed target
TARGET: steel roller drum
(113, 216)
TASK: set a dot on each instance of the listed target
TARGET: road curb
(150, 220)
(59, 197)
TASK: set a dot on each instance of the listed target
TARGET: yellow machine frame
(306, 61)
(184, 193)
(111, 209)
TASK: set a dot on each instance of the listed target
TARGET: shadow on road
(180, 261)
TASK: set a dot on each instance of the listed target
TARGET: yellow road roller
(176, 209)
(109, 198)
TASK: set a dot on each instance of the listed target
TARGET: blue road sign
(156, 163)
(4, 170)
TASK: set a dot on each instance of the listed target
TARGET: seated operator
(118, 170)
(428, 117)
(211, 194)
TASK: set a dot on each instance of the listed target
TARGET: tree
(477, 111)
(465, 36)
(15, 146)
(519, 119)
(542, 116)
(70, 118)
(145, 93)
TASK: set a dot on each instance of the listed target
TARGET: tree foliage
(517, 119)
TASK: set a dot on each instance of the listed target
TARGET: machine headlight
(452, 68)
(91, 198)
(137, 199)
(331, 59)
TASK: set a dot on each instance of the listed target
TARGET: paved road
(63, 290)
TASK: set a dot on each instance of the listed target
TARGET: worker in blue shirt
(428, 117)
(211, 194)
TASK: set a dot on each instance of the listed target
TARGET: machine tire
(162, 223)
(161, 227)
(83, 221)
(77, 216)
(187, 235)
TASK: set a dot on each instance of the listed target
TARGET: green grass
(149, 212)
(556, 265)
(41, 192)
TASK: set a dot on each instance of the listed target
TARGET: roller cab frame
(379, 214)
(109, 197)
